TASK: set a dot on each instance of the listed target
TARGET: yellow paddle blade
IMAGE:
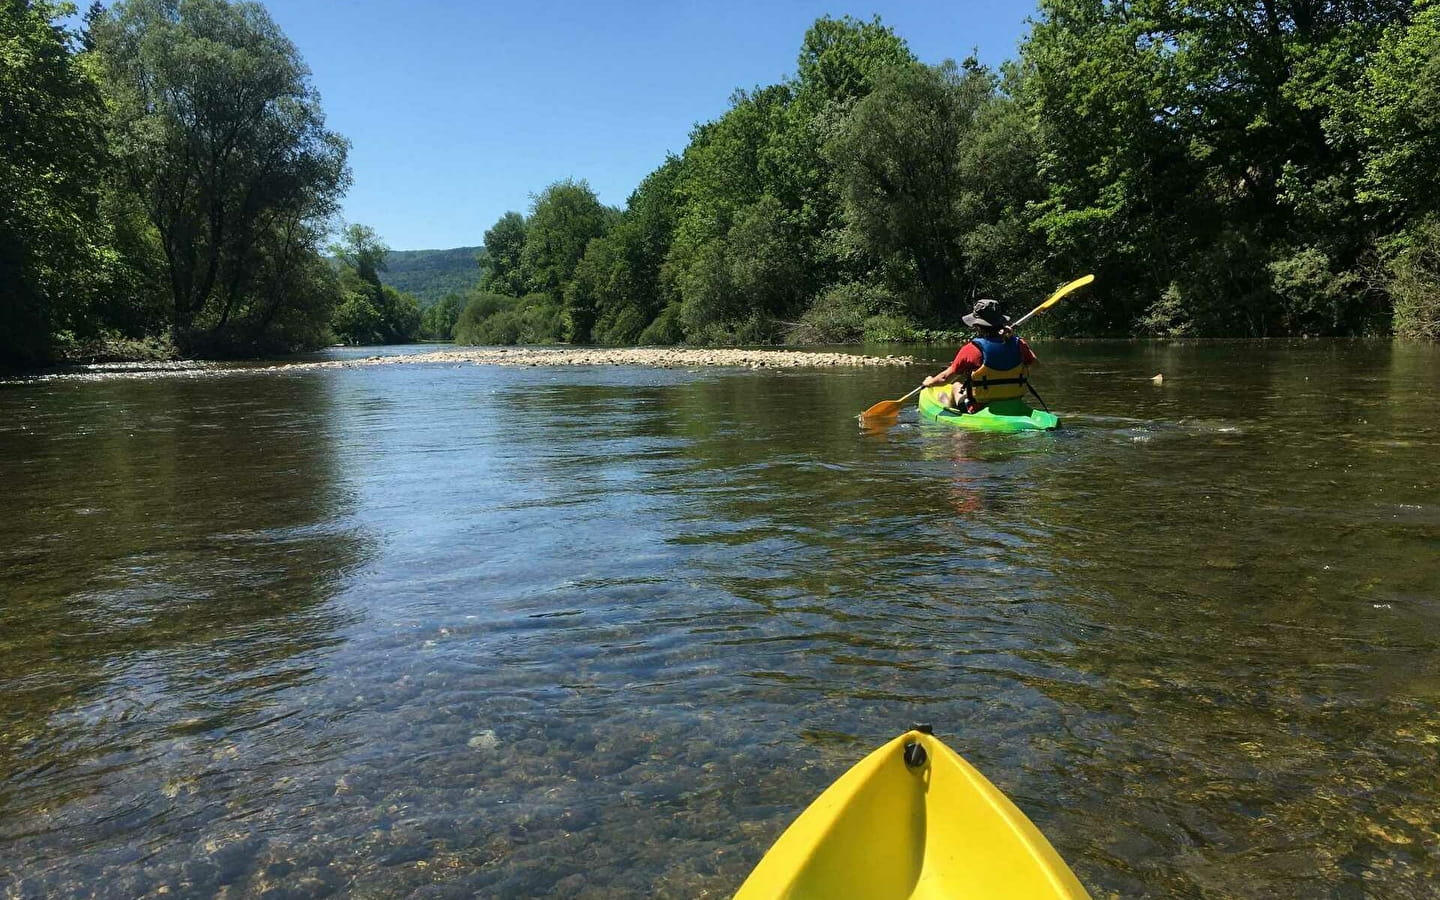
(885, 409)
(1055, 297)
(888, 409)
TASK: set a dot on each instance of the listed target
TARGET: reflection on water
(599, 631)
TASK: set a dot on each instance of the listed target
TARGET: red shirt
(969, 358)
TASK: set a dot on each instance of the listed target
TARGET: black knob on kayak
(923, 728)
(914, 755)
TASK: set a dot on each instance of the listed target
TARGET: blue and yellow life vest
(1002, 375)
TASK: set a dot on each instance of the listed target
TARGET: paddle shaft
(1023, 319)
(888, 408)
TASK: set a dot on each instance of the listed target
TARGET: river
(481, 631)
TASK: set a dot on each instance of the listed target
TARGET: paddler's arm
(941, 377)
(1027, 356)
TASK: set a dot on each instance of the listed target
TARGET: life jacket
(1002, 374)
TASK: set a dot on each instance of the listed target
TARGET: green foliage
(106, 345)
(491, 319)
(565, 217)
(1212, 191)
(1414, 281)
(620, 276)
(755, 235)
(219, 138)
(432, 275)
(900, 159)
(1167, 316)
(841, 59)
(1315, 298)
(665, 329)
(55, 247)
(437, 321)
(840, 315)
(1173, 159)
(504, 244)
(1252, 170)
(1395, 117)
(370, 312)
(361, 248)
(891, 329)
(294, 299)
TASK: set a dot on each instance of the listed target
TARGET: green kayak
(1002, 415)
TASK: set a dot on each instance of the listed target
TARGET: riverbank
(651, 357)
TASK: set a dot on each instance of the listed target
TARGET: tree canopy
(1266, 168)
(1262, 169)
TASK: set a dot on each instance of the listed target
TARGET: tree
(370, 312)
(565, 217)
(504, 245)
(757, 180)
(218, 133)
(1393, 119)
(620, 275)
(361, 249)
(842, 59)
(54, 243)
(437, 322)
(720, 175)
(498, 319)
(1102, 84)
(900, 161)
(1187, 155)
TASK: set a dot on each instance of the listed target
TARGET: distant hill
(431, 274)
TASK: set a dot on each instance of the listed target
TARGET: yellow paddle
(1052, 300)
(888, 409)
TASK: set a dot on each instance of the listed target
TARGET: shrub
(1414, 283)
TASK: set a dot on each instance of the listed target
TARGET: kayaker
(994, 365)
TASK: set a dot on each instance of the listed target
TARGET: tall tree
(437, 322)
(370, 312)
(1393, 120)
(361, 248)
(220, 134)
(620, 274)
(1187, 155)
(904, 183)
(565, 217)
(504, 245)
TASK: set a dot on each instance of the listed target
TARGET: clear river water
(455, 631)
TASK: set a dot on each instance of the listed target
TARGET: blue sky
(459, 111)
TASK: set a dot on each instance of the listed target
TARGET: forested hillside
(429, 275)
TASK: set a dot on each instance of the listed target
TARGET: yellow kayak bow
(911, 820)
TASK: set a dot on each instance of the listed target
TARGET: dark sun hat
(987, 312)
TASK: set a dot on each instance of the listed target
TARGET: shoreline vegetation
(1270, 169)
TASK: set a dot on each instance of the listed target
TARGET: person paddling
(994, 365)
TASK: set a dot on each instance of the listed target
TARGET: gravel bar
(658, 357)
